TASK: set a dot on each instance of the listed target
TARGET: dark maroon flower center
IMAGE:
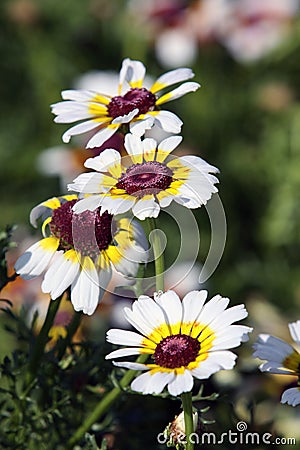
(147, 178)
(176, 351)
(142, 99)
(88, 232)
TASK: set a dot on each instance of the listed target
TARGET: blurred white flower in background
(256, 27)
(175, 47)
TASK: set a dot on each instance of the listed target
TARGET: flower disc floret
(176, 351)
(140, 99)
(64, 222)
(147, 178)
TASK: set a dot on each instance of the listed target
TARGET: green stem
(187, 406)
(104, 405)
(42, 340)
(158, 256)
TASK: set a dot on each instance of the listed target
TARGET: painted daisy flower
(137, 105)
(185, 339)
(281, 358)
(146, 180)
(80, 251)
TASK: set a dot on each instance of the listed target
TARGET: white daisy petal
(114, 205)
(85, 288)
(124, 337)
(182, 383)
(107, 159)
(147, 311)
(196, 190)
(172, 307)
(130, 365)
(172, 77)
(105, 276)
(183, 89)
(146, 207)
(127, 117)
(78, 95)
(139, 127)
(123, 352)
(216, 361)
(149, 147)
(79, 129)
(271, 348)
(123, 73)
(139, 323)
(130, 259)
(230, 337)
(134, 72)
(102, 136)
(295, 331)
(89, 203)
(198, 164)
(165, 201)
(229, 316)
(275, 368)
(134, 147)
(148, 383)
(291, 396)
(168, 121)
(61, 274)
(192, 305)
(73, 116)
(36, 258)
(43, 210)
(89, 183)
(169, 144)
(62, 108)
(212, 309)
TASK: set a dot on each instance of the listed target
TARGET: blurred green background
(244, 119)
